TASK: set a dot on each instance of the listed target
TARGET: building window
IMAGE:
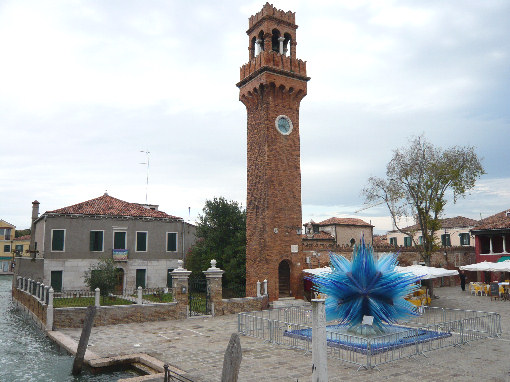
(464, 238)
(171, 241)
(420, 240)
(445, 240)
(58, 239)
(408, 241)
(7, 248)
(19, 249)
(141, 241)
(393, 241)
(119, 240)
(96, 241)
(6, 233)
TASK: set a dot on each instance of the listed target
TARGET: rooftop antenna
(147, 153)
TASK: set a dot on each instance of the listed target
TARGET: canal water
(26, 354)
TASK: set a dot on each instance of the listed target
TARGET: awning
(503, 258)
(418, 270)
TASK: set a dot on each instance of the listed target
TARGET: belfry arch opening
(284, 279)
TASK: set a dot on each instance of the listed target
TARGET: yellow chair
(478, 289)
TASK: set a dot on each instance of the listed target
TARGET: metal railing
(172, 376)
(433, 329)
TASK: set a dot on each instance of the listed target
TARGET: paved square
(197, 346)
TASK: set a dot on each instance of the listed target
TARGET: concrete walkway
(197, 346)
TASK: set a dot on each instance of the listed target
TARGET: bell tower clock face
(283, 124)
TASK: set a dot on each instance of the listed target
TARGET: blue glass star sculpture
(366, 286)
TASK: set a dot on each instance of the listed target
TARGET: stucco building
(492, 238)
(7, 231)
(454, 232)
(145, 243)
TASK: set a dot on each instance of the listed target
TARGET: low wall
(119, 314)
(238, 305)
(31, 303)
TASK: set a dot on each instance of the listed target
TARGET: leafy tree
(21, 232)
(221, 235)
(103, 275)
(419, 179)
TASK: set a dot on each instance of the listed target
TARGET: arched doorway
(284, 279)
(119, 285)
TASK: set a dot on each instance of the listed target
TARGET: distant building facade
(145, 243)
(492, 238)
(454, 232)
(343, 231)
(7, 231)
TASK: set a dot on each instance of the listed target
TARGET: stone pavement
(197, 346)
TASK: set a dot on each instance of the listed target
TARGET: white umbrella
(478, 267)
(503, 266)
(425, 272)
(418, 270)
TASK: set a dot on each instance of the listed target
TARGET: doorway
(119, 285)
(284, 279)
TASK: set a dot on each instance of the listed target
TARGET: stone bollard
(49, 311)
(319, 349)
(214, 287)
(265, 287)
(96, 297)
(258, 288)
(139, 296)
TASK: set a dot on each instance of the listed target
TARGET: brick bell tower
(272, 85)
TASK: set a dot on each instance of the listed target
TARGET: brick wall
(31, 303)
(237, 305)
(122, 314)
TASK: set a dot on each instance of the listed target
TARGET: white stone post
(139, 297)
(213, 276)
(38, 290)
(42, 292)
(29, 286)
(258, 288)
(281, 39)
(265, 287)
(319, 349)
(96, 297)
(490, 251)
(49, 311)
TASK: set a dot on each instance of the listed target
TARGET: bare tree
(419, 179)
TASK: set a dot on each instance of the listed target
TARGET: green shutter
(171, 242)
(141, 241)
(57, 241)
(119, 240)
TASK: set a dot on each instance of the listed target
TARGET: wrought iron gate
(198, 296)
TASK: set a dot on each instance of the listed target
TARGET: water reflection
(28, 355)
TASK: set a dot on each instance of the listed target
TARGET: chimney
(35, 215)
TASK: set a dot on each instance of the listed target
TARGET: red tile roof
(345, 221)
(109, 206)
(497, 221)
(25, 237)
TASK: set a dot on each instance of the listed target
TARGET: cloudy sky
(86, 85)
